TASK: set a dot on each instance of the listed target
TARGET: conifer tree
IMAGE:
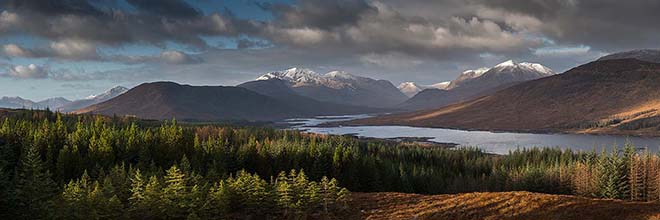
(35, 190)
(175, 193)
(284, 193)
(152, 205)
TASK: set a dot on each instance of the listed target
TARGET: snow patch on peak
(538, 68)
(409, 88)
(292, 74)
(525, 66)
(441, 85)
(114, 92)
(475, 73)
(508, 63)
(341, 75)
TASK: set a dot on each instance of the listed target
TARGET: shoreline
(639, 134)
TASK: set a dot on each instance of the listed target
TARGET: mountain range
(613, 96)
(474, 83)
(339, 87)
(166, 100)
(59, 103)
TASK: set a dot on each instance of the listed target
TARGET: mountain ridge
(474, 83)
(607, 96)
(339, 87)
(167, 100)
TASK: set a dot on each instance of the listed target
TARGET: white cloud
(390, 60)
(14, 50)
(177, 57)
(8, 20)
(75, 49)
(31, 71)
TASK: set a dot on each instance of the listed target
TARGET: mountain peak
(111, 93)
(340, 74)
(292, 74)
(508, 63)
(511, 65)
(474, 73)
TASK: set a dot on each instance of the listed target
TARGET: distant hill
(279, 90)
(94, 99)
(59, 103)
(474, 83)
(167, 100)
(18, 102)
(54, 103)
(339, 87)
(607, 96)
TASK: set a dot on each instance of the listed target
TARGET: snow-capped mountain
(94, 99)
(441, 85)
(503, 73)
(412, 88)
(339, 87)
(467, 75)
(479, 82)
(409, 88)
(306, 77)
(114, 92)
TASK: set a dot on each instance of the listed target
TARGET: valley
(329, 110)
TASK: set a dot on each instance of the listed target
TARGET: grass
(501, 206)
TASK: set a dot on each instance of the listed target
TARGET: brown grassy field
(505, 205)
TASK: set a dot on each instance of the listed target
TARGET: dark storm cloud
(166, 8)
(153, 22)
(610, 25)
(406, 37)
(322, 14)
(53, 7)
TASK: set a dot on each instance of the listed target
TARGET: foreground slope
(501, 206)
(608, 96)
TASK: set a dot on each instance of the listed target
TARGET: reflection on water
(500, 142)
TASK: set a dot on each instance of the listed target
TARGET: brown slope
(609, 96)
(501, 206)
(166, 100)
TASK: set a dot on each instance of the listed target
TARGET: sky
(75, 48)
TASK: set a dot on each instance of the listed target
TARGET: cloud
(148, 22)
(166, 8)
(390, 60)
(14, 50)
(322, 14)
(435, 39)
(31, 71)
(74, 49)
(178, 57)
(7, 21)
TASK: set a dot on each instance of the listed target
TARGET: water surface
(493, 142)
